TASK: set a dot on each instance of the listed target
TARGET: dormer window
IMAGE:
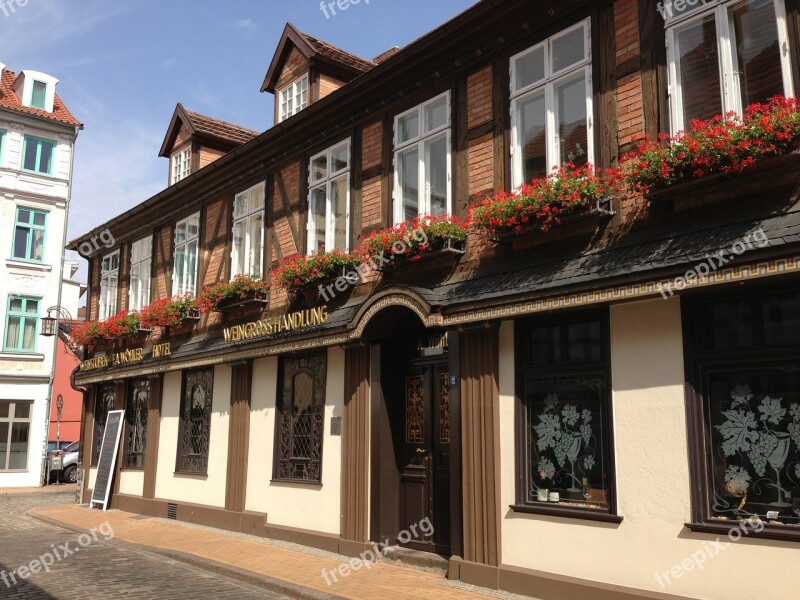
(180, 164)
(293, 98)
(39, 95)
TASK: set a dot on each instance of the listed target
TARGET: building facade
(579, 412)
(37, 137)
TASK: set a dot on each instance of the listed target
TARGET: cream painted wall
(652, 482)
(131, 483)
(92, 477)
(207, 489)
(312, 507)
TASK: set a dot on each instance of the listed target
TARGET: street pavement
(94, 569)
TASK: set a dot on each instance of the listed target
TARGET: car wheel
(71, 474)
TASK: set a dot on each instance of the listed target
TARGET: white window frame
(548, 83)
(327, 183)
(181, 164)
(246, 217)
(179, 288)
(109, 285)
(290, 100)
(420, 142)
(728, 73)
(139, 289)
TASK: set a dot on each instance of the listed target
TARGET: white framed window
(141, 262)
(329, 199)
(247, 252)
(293, 98)
(180, 164)
(422, 160)
(109, 283)
(184, 272)
(551, 104)
(725, 55)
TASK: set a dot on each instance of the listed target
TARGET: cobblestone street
(102, 569)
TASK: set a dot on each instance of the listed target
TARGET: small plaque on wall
(336, 425)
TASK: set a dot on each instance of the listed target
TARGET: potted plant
(170, 312)
(726, 145)
(412, 241)
(86, 334)
(545, 202)
(298, 272)
(242, 290)
(122, 325)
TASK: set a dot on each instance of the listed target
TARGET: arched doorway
(412, 437)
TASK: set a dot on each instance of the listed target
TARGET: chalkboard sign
(108, 459)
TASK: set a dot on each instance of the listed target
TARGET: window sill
(132, 469)
(191, 474)
(784, 533)
(568, 512)
(303, 482)
(30, 265)
(29, 356)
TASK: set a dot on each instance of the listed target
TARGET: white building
(37, 136)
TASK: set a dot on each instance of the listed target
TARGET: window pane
(319, 168)
(22, 410)
(39, 218)
(18, 458)
(32, 307)
(753, 418)
(256, 243)
(37, 248)
(45, 158)
(408, 127)
(13, 332)
(571, 121)
(435, 114)
(544, 346)
(16, 305)
(194, 226)
(180, 269)
(758, 54)
(317, 215)
(4, 411)
(21, 242)
(115, 261)
(4, 427)
(144, 283)
(436, 174)
(567, 438)
(23, 216)
(257, 197)
(240, 246)
(240, 205)
(584, 342)
(531, 131)
(698, 70)
(31, 147)
(180, 232)
(529, 68)
(340, 158)
(339, 208)
(191, 267)
(37, 98)
(408, 175)
(568, 50)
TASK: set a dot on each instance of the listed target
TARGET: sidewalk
(53, 488)
(266, 563)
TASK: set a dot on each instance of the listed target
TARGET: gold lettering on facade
(160, 350)
(288, 322)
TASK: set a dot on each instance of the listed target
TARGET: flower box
(324, 290)
(451, 251)
(256, 299)
(299, 273)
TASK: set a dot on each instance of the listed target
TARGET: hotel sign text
(125, 357)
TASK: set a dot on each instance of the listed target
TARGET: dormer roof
(314, 50)
(221, 133)
(9, 100)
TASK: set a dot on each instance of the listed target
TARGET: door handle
(420, 451)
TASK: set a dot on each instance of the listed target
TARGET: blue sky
(122, 67)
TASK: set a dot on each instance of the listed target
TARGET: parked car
(60, 445)
(69, 464)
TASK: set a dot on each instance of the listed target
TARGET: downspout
(44, 472)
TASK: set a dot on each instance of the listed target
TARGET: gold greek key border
(634, 291)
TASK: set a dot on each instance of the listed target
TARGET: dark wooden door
(425, 477)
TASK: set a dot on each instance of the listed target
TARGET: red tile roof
(9, 99)
(221, 129)
(337, 54)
